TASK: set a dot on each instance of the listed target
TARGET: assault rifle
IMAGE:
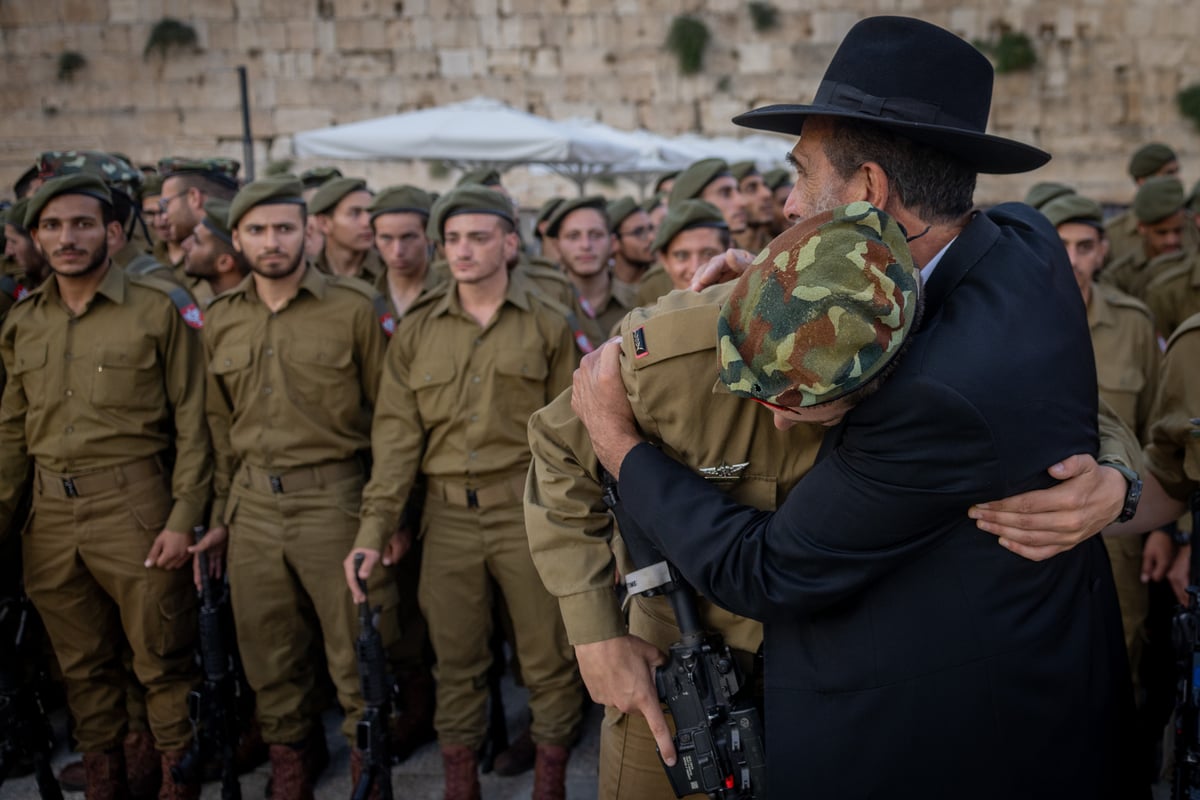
(1185, 630)
(718, 729)
(212, 708)
(25, 734)
(372, 732)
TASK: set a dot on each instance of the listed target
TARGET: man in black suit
(907, 655)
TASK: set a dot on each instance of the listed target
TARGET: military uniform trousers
(630, 768)
(463, 545)
(289, 591)
(85, 547)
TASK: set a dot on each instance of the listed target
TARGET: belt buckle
(276, 484)
(472, 499)
(68, 485)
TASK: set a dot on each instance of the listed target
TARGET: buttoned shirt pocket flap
(432, 384)
(231, 358)
(334, 353)
(126, 376)
(29, 356)
(528, 364)
(428, 375)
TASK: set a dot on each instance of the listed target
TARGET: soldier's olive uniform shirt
(1133, 273)
(372, 267)
(655, 283)
(1124, 239)
(1173, 294)
(1173, 453)
(1127, 354)
(120, 382)
(457, 397)
(434, 278)
(293, 387)
(669, 366)
(625, 293)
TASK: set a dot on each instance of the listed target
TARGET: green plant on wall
(168, 34)
(1189, 103)
(1012, 52)
(688, 39)
(70, 62)
(764, 15)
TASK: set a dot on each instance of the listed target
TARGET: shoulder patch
(184, 303)
(386, 320)
(367, 290)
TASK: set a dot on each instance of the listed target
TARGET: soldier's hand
(169, 551)
(620, 673)
(1178, 574)
(728, 266)
(370, 559)
(213, 543)
(1045, 522)
(598, 399)
(1157, 554)
(397, 546)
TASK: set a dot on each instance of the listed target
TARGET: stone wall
(1106, 78)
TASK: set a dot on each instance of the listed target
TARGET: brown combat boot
(550, 772)
(171, 789)
(358, 763)
(289, 775)
(143, 767)
(105, 774)
(462, 773)
(413, 725)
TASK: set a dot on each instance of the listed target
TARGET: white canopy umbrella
(477, 132)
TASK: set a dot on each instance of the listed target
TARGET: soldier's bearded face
(199, 255)
(271, 237)
(72, 236)
(818, 187)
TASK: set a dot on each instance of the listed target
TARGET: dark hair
(212, 188)
(937, 187)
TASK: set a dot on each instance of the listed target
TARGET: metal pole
(247, 139)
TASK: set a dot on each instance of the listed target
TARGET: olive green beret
(777, 177)
(216, 218)
(594, 201)
(743, 169)
(666, 176)
(16, 214)
(319, 176)
(691, 181)
(821, 310)
(265, 191)
(685, 215)
(75, 183)
(1074, 208)
(1042, 193)
(403, 199)
(619, 210)
(152, 185)
(221, 170)
(654, 201)
(1149, 159)
(331, 193)
(470, 198)
(484, 176)
(543, 215)
(1158, 198)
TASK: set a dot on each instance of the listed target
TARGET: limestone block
(456, 63)
(755, 58)
(326, 33)
(294, 120)
(580, 33)
(357, 9)
(367, 66)
(455, 33)
(301, 34)
(583, 62)
(413, 64)
(359, 34)
(118, 10)
(830, 27)
(505, 62)
(545, 62)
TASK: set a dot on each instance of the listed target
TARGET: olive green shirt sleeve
(1173, 453)
(568, 525)
(218, 410)
(1117, 442)
(14, 458)
(184, 378)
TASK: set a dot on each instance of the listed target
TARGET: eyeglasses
(640, 232)
(164, 202)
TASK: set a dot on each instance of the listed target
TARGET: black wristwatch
(1132, 494)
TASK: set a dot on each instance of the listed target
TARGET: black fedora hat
(916, 79)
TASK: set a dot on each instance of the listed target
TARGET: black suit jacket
(907, 653)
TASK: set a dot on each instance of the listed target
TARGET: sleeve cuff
(185, 517)
(592, 616)
(372, 535)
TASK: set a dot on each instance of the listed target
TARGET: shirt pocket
(126, 375)
(433, 386)
(520, 381)
(29, 366)
(321, 371)
(230, 364)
